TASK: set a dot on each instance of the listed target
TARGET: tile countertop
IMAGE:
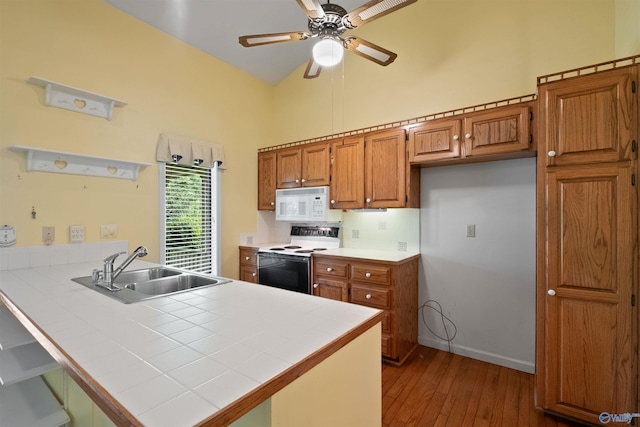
(201, 354)
(374, 254)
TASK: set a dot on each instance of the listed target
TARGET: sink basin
(146, 274)
(147, 283)
(171, 284)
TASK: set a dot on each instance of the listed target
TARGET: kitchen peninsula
(206, 357)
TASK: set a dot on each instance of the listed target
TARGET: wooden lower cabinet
(248, 264)
(387, 285)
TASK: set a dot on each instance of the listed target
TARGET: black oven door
(289, 272)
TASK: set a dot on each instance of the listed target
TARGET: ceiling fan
(328, 22)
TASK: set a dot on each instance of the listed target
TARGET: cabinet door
(332, 289)
(588, 120)
(315, 164)
(385, 166)
(288, 167)
(497, 131)
(267, 180)
(347, 173)
(590, 337)
(434, 140)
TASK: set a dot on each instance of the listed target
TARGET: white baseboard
(496, 359)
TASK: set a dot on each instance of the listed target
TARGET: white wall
(385, 230)
(486, 284)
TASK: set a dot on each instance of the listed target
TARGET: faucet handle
(112, 258)
(97, 275)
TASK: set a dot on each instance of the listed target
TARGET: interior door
(590, 347)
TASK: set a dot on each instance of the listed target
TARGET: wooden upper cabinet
(316, 163)
(385, 169)
(303, 166)
(289, 166)
(267, 180)
(497, 131)
(435, 140)
(347, 173)
(588, 119)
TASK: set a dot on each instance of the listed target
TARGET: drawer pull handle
(315, 286)
(367, 275)
(329, 269)
(368, 296)
(253, 274)
(247, 258)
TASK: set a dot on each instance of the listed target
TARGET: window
(189, 228)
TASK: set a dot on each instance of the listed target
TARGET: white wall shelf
(74, 99)
(42, 160)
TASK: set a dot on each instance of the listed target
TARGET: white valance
(188, 151)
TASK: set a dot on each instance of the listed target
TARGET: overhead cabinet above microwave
(303, 166)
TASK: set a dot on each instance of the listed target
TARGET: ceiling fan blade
(373, 10)
(313, 69)
(369, 51)
(262, 39)
(312, 8)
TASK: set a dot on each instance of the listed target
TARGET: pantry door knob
(456, 137)
(368, 296)
(551, 153)
(315, 286)
(551, 292)
(468, 136)
(329, 269)
(367, 275)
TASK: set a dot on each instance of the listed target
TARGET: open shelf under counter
(30, 403)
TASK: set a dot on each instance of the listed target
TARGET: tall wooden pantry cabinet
(587, 327)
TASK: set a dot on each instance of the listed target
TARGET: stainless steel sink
(147, 283)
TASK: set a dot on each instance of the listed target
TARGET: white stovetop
(180, 357)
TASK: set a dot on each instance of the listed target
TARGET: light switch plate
(471, 230)
(48, 235)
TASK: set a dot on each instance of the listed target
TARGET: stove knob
(329, 269)
(368, 296)
(368, 275)
(315, 286)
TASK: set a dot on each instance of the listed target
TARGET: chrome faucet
(106, 277)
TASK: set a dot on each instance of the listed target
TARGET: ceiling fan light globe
(328, 52)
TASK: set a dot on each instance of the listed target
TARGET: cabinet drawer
(373, 297)
(248, 256)
(371, 273)
(249, 273)
(330, 268)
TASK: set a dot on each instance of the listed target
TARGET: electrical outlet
(108, 231)
(76, 233)
(402, 246)
(471, 230)
(355, 234)
(48, 235)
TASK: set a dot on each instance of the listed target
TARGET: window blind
(189, 217)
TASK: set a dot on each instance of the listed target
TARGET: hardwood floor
(436, 388)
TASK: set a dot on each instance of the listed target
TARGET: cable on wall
(435, 306)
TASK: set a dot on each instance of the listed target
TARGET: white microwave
(302, 204)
